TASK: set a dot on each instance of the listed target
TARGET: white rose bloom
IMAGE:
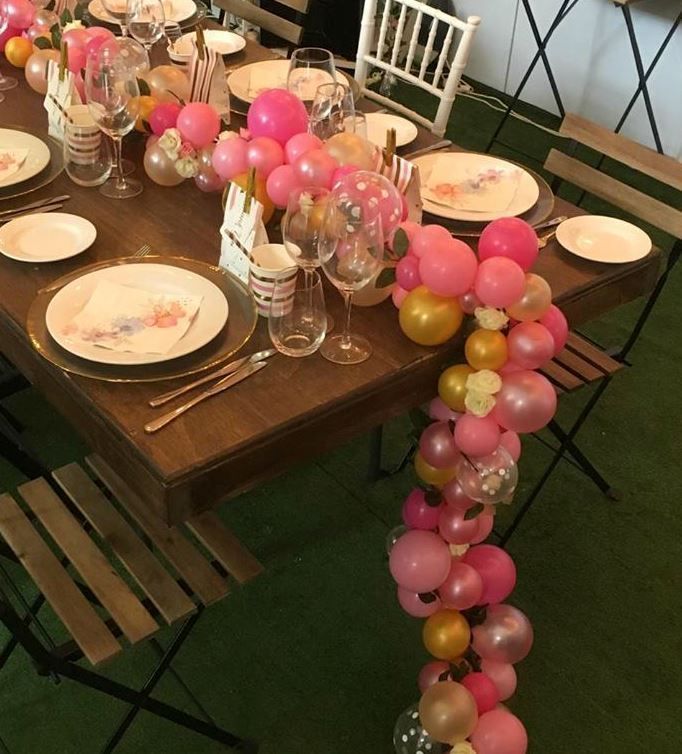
(463, 747)
(489, 318)
(227, 135)
(170, 142)
(457, 551)
(73, 25)
(484, 381)
(187, 167)
(479, 404)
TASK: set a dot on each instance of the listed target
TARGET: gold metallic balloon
(452, 386)
(486, 349)
(351, 149)
(165, 81)
(446, 634)
(36, 69)
(430, 474)
(447, 710)
(428, 319)
(536, 300)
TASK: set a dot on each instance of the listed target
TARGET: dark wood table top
(287, 413)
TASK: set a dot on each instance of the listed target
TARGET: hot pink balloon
(163, 116)
(437, 446)
(463, 587)
(433, 672)
(454, 528)
(315, 168)
(19, 13)
(407, 273)
(477, 435)
(530, 345)
(511, 442)
(418, 513)
(398, 296)
(469, 302)
(341, 172)
(416, 605)
(427, 237)
(448, 268)
(499, 282)
(526, 402)
(485, 521)
(509, 237)
(497, 570)
(199, 124)
(454, 496)
(502, 675)
(98, 31)
(553, 319)
(499, 732)
(484, 691)
(94, 43)
(281, 183)
(300, 144)
(229, 158)
(441, 412)
(420, 561)
(265, 155)
(278, 114)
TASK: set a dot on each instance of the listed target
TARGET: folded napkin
(131, 319)
(472, 189)
(10, 162)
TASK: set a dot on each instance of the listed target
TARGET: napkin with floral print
(10, 162)
(123, 318)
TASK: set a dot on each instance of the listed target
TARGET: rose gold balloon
(36, 69)
(535, 301)
(351, 149)
(505, 635)
(431, 673)
(448, 712)
(160, 167)
(166, 81)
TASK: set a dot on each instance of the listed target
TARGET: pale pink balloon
(19, 13)
(496, 569)
(525, 403)
(437, 445)
(407, 273)
(509, 367)
(278, 114)
(433, 672)
(553, 319)
(208, 180)
(398, 296)
(77, 59)
(511, 442)
(509, 237)
(454, 496)
(477, 435)
(300, 144)
(448, 268)
(341, 172)
(505, 635)
(499, 282)
(229, 158)
(265, 155)
(483, 689)
(199, 124)
(485, 521)
(76, 38)
(315, 168)
(280, 184)
(416, 606)
(37, 31)
(439, 411)
(463, 587)
(418, 513)
(98, 31)
(427, 237)
(502, 675)
(530, 345)
(469, 302)
(454, 528)
(410, 228)
(420, 561)
(499, 732)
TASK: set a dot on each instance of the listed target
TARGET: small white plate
(378, 125)
(603, 239)
(38, 154)
(157, 278)
(46, 237)
(223, 42)
(175, 10)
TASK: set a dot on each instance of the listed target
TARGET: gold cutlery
(544, 240)
(431, 148)
(34, 205)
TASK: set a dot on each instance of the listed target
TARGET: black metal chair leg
(16, 452)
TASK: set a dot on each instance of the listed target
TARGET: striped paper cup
(268, 263)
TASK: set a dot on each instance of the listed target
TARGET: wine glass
(6, 82)
(351, 248)
(309, 67)
(297, 321)
(146, 21)
(118, 9)
(113, 96)
(332, 104)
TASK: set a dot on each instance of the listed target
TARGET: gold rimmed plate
(236, 332)
(52, 170)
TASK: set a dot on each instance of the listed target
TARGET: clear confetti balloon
(489, 479)
(393, 536)
(410, 738)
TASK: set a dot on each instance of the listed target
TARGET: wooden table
(291, 411)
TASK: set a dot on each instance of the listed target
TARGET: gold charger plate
(51, 171)
(238, 329)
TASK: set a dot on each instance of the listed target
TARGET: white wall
(591, 57)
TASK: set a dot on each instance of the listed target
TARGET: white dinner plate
(46, 237)
(526, 195)
(223, 42)
(378, 125)
(603, 239)
(157, 278)
(274, 72)
(38, 155)
(175, 10)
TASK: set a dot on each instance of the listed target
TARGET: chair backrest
(660, 167)
(420, 17)
(281, 27)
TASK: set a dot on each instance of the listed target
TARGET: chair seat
(580, 363)
(171, 590)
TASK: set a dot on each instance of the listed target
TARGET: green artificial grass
(316, 656)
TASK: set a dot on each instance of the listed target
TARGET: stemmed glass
(6, 82)
(146, 21)
(309, 67)
(118, 9)
(351, 249)
(332, 105)
(113, 95)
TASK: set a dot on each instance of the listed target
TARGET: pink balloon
(477, 436)
(341, 172)
(463, 587)
(98, 31)
(499, 282)
(80, 86)
(509, 367)
(505, 635)
(499, 732)
(281, 182)
(441, 412)
(76, 38)
(427, 237)
(420, 561)
(265, 155)
(525, 403)
(278, 114)
(496, 569)
(229, 158)
(19, 13)
(454, 528)
(509, 237)
(448, 268)
(483, 689)
(417, 513)
(163, 116)
(7, 32)
(398, 296)
(437, 446)
(454, 496)
(410, 229)
(553, 319)
(485, 521)
(199, 124)
(315, 168)
(469, 302)
(93, 44)
(502, 675)
(77, 58)
(407, 273)
(511, 442)
(300, 144)
(530, 345)
(208, 180)
(431, 673)
(413, 604)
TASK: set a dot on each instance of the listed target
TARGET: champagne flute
(351, 249)
(113, 95)
(309, 67)
(146, 21)
(332, 104)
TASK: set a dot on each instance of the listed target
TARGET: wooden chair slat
(556, 374)
(579, 366)
(225, 547)
(592, 353)
(190, 564)
(661, 167)
(620, 195)
(161, 588)
(271, 22)
(74, 611)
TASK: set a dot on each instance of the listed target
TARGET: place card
(242, 229)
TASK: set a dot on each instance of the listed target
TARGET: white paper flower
(458, 550)
(478, 403)
(227, 135)
(484, 381)
(72, 25)
(490, 318)
(463, 747)
(187, 167)
(170, 142)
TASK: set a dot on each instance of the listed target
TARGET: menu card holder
(242, 229)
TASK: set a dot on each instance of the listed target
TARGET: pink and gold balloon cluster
(466, 462)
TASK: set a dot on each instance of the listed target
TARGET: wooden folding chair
(174, 581)
(286, 24)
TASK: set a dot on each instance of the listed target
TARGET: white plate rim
(104, 15)
(25, 173)
(425, 161)
(413, 130)
(123, 358)
(213, 34)
(569, 225)
(85, 225)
